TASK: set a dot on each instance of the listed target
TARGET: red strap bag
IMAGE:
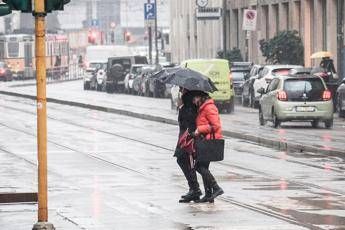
(186, 143)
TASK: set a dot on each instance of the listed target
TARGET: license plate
(305, 109)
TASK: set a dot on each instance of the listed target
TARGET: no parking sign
(249, 19)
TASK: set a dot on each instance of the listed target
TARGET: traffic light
(92, 36)
(5, 9)
(24, 6)
(128, 36)
(51, 5)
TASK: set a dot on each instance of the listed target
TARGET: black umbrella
(165, 73)
(189, 79)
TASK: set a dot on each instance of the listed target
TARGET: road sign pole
(149, 30)
(40, 14)
(156, 34)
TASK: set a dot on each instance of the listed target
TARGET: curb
(48, 83)
(277, 144)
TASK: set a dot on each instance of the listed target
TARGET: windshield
(307, 89)
(238, 76)
(284, 71)
(98, 65)
(136, 69)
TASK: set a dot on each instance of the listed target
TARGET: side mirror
(261, 91)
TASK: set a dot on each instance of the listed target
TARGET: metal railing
(65, 73)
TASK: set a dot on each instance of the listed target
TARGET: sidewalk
(243, 124)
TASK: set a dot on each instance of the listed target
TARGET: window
(2, 50)
(307, 89)
(273, 85)
(13, 49)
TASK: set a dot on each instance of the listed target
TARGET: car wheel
(315, 123)
(341, 113)
(261, 118)
(230, 107)
(339, 105)
(109, 88)
(276, 121)
(86, 86)
(244, 101)
(329, 124)
(250, 100)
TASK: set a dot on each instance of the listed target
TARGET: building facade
(320, 24)
(192, 38)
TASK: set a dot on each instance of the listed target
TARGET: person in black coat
(186, 119)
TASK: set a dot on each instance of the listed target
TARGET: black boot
(191, 191)
(217, 191)
(193, 195)
(207, 197)
(188, 193)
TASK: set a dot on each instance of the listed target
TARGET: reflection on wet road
(111, 171)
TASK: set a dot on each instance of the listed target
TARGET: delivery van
(218, 70)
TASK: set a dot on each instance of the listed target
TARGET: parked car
(5, 72)
(239, 71)
(140, 82)
(145, 83)
(175, 97)
(248, 94)
(101, 77)
(134, 71)
(218, 71)
(296, 98)
(90, 76)
(340, 95)
(268, 73)
(118, 68)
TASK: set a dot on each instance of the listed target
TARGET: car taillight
(327, 95)
(2, 71)
(231, 81)
(282, 96)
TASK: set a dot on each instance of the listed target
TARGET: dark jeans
(207, 177)
(189, 173)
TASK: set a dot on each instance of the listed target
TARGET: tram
(18, 52)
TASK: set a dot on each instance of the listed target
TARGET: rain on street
(115, 171)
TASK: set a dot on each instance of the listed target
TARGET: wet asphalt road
(114, 172)
(244, 120)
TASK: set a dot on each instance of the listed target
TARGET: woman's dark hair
(203, 95)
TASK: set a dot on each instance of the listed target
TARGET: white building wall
(194, 38)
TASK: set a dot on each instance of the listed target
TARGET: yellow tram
(18, 52)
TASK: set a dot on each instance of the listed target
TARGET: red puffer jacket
(208, 119)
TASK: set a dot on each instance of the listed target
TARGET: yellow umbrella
(321, 54)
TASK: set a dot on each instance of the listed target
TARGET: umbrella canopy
(164, 73)
(321, 54)
(189, 79)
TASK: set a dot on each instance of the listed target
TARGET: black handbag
(209, 150)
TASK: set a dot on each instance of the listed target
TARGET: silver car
(296, 98)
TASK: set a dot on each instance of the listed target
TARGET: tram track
(225, 198)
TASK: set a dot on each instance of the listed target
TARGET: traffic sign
(249, 19)
(94, 22)
(150, 11)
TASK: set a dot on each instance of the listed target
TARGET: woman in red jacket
(207, 123)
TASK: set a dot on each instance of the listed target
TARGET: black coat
(186, 118)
